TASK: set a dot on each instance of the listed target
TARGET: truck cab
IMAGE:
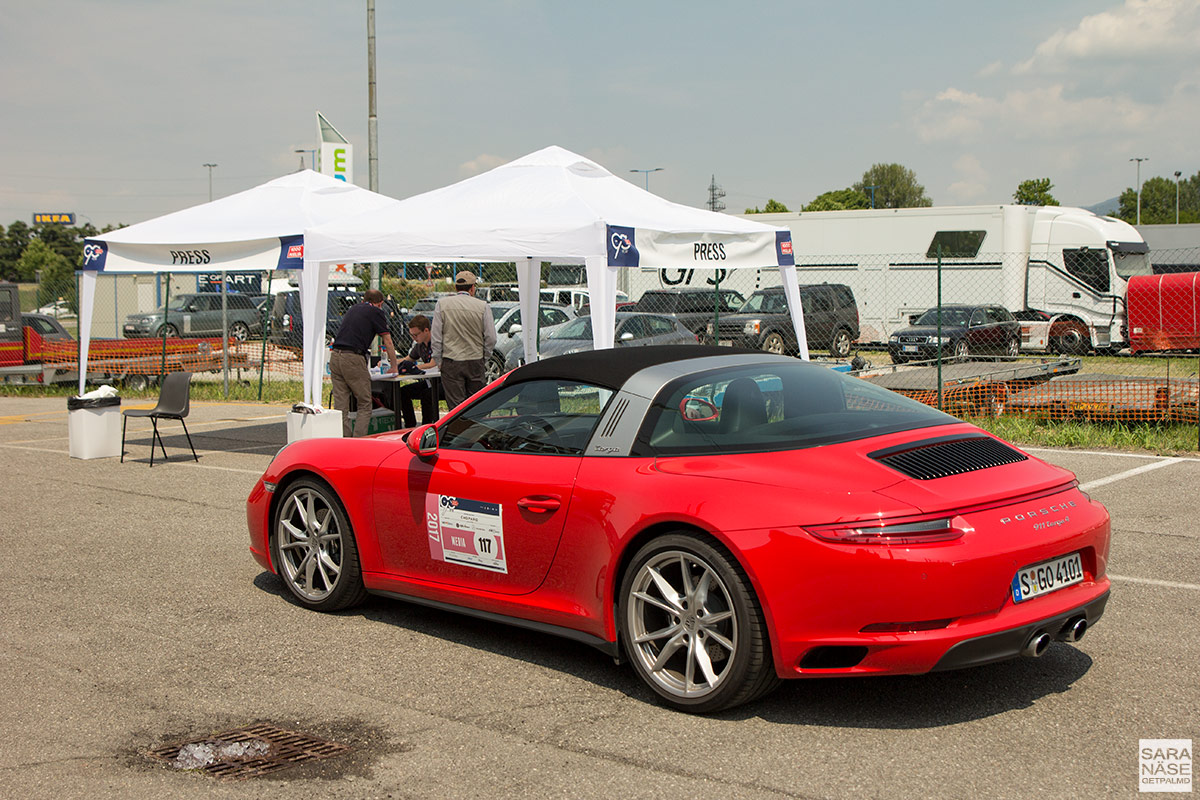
(12, 343)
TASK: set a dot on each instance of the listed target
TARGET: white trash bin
(94, 427)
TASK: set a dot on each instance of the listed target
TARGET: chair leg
(124, 421)
(158, 438)
(189, 438)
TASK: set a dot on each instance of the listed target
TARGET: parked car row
(199, 315)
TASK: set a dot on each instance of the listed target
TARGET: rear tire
(840, 345)
(492, 370)
(692, 627)
(1072, 340)
(962, 350)
(239, 331)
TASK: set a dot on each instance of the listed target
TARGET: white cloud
(973, 179)
(1140, 30)
(481, 163)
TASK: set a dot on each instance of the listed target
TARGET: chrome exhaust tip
(1073, 631)
(1036, 645)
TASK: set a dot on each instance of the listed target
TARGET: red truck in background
(1163, 312)
(28, 357)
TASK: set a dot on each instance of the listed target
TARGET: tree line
(896, 186)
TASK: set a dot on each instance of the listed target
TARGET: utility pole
(1177, 175)
(372, 122)
(210, 169)
(715, 193)
(872, 189)
(1139, 187)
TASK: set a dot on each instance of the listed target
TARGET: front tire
(962, 351)
(169, 331)
(692, 627)
(239, 331)
(492, 370)
(314, 548)
(773, 343)
(1073, 340)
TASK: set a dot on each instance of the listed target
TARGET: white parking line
(1129, 473)
(1067, 451)
(1155, 582)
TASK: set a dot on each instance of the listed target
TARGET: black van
(287, 323)
(764, 321)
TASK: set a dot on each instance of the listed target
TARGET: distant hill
(1106, 207)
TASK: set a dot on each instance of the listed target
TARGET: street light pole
(210, 169)
(1177, 174)
(647, 172)
(1139, 187)
(872, 189)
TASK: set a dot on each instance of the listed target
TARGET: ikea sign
(54, 218)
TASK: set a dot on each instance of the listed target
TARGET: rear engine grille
(938, 458)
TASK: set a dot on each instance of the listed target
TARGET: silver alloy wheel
(682, 624)
(840, 346)
(961, 350)
(1014, 348)
(773, 343)
(239, 331)
(310, 544)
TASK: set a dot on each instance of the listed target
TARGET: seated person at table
(422, 354)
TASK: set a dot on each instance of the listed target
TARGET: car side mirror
(423, 441)
(626, 337)
(514, 329)
(697, 409)
(912, 318)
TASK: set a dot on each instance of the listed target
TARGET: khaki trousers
(350, 375)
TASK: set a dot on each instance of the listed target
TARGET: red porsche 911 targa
(721, 519)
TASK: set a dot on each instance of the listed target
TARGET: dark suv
(693, 306)
(764, 322)
(966, 330)
(287, 323)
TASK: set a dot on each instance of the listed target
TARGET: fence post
(166, 316)
(939, 325)
(262, 362)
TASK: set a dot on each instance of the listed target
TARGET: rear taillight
(898, 532)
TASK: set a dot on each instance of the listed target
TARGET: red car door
(487, 511)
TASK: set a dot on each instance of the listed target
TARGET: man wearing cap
(348, 359)
(463, 337)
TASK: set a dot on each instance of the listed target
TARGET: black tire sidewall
(349, 590)
(744, 606)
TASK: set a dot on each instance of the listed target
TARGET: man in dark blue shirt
(348, 360)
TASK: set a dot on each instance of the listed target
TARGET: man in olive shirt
(464, 335)
(348, 360)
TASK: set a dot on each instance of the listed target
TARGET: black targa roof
(613, 367)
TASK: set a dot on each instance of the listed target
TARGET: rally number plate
(1049, 576)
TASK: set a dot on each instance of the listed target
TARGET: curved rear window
(771, 407)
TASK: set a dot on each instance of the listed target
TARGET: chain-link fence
(1086, 334)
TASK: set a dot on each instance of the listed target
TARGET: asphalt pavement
(134, 618)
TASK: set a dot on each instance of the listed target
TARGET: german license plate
(1049, 576)
(130, 329)
(910, 348)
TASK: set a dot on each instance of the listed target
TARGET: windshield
(578, 328)
(498, 312)
(764, 303)
(178, 304)
(950, 317)
(772, 407)
(1131, 264)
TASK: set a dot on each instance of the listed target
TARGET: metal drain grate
(284, 748)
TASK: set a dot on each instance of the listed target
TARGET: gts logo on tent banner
(190, 257)
(709, 251)
(92, 252)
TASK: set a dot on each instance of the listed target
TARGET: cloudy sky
(111, 108)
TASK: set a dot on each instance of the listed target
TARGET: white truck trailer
(1062, 271)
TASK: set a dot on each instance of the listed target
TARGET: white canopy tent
(549, 205)
(258, 229)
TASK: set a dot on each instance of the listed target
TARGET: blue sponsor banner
(94, 254)
(622, 247)
(291, 252)
(783, 249)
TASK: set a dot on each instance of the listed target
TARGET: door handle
(1076, 295)
(539, 504)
